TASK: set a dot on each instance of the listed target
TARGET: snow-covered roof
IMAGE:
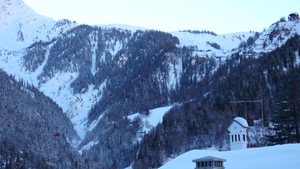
(241, 121)
(295, 13)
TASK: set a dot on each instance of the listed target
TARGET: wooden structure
(209, 162)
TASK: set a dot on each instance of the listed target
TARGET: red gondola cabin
(162, 101)
(56, 134)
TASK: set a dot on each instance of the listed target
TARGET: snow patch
(88, 146)
(241, 121)
(155, 117)
(95, 122)
(80, 104)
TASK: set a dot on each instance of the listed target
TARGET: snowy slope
(227, 42)
(276, 35)
(148, 122)
(276, 157)
(20, 26)
(200, 46)
(155, 117)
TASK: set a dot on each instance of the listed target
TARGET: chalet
(293, 16)
(209, 162)
(238, 133)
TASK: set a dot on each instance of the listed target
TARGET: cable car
(162, 101)
(56, 134)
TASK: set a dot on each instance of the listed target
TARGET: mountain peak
(20, 26)
(10, 10)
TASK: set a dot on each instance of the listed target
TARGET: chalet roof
(209, 158)
(241, 121)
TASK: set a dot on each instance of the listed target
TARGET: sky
(219, 16)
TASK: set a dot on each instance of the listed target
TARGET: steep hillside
(202, 123)
(28, 120)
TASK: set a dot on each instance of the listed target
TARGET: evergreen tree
(287, 118)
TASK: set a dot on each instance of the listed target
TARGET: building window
(239, 138)
(244, 137)
(232, 137)
(202, 164)
(209, 164)
(235, 137)
(218, 163)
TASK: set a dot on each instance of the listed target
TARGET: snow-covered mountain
(20, 26)
(78, 105)
(101, 75)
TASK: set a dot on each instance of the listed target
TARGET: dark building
(209, 162)
(293, 16)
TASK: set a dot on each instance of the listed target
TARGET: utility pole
(1, 151)
(247, 101)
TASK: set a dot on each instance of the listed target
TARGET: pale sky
(219, 16)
